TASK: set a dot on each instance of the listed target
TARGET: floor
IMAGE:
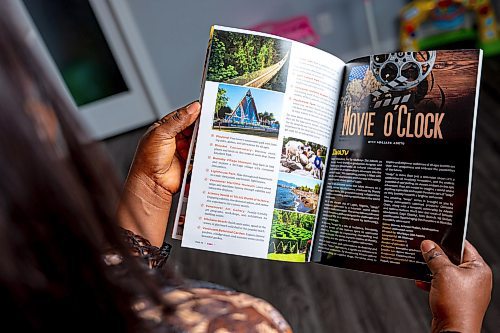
(315, 298)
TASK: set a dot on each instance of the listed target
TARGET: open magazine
(302, 157)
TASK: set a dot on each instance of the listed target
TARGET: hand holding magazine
(302, 157)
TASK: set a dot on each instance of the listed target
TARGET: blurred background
(126, 63)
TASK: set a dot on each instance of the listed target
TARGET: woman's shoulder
(212, 310)
(199, 306)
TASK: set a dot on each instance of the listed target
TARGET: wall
(176, 32)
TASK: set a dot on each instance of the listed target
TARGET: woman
(64, 263)
(58, 196)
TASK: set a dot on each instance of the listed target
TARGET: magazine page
(180, 213)
(265, 128)
(401, 162)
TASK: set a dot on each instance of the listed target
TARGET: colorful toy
(429, 24)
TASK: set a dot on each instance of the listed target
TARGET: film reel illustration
(402, 70)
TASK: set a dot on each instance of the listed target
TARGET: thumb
(434, 256)
(177, 121)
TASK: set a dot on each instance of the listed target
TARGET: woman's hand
(156, 174)
(458, 295)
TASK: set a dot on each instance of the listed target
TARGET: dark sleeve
(154, 257)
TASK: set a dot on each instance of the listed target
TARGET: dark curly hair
(58, 195)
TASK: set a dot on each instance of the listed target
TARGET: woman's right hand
(156, 174)
(458, 295)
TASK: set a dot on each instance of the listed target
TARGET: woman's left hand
(156, 174)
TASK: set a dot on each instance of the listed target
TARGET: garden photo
(249, 60)
(297, 194)
(302, 158)
(247, 111)
(291, 235)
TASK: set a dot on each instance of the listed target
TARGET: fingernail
(427, 245)
(192, 108)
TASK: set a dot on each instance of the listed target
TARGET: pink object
(297, 28)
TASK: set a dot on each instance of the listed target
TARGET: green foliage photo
(290, 234)
(221, 107)
(235, 54)
(308, 189)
